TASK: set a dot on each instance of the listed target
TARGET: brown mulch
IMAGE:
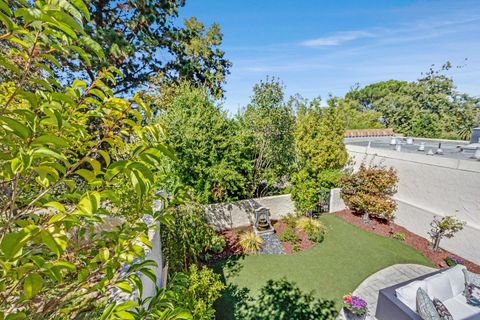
(413, 240)
(303, 244)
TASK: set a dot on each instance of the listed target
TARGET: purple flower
(358, 303)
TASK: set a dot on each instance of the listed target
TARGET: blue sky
(325, 47)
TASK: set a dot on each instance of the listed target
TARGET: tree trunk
(436, 243)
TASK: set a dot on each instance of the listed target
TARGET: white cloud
(338, 38)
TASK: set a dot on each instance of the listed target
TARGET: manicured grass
(330, 269)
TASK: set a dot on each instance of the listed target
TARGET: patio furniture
(398, 302)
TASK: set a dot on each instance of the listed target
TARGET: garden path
(384, 278)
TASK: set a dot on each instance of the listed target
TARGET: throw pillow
(425, 307)
(471, 277)
(442, 310)
(473, 295)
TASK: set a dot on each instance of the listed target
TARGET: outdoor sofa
(398, 302)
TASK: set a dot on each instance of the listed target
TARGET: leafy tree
(209, 152)
(188, 238)
(369, 191)
(445, 227)
(197, 290)
(281, 300)
(141, 39)
(64, 151)
(268, 124)
(321, 154)
(356, 117)
(428, 107)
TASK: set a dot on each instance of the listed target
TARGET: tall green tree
(210, 154)
(141, 39)
(268, 124)
(429, 107)
(58, 175)
(321, 153)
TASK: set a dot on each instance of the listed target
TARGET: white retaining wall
(224, 216)
(430, 186)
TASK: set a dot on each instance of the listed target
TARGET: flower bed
(413, 240)
(289, 247)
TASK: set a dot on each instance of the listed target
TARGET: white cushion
(457, 279)
(460, 310)
(438, 286)
(408, 294)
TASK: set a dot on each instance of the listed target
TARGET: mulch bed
(288, 247)
(413, 240)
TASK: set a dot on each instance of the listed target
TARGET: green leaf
(89, 203)
(105, 156)
(32, 285)
(125, 306)
(94, 46)
(108, 311)
(16, 127)
(103, 254)
(66, 265)
(50, 139)
(86, 174)
(12, 244)
(55, 205)
(7, 22)
(124, 285)
(83, 55)
(80, 5)
(124, 315)
(5, 8)
(20, 315)
(49, 152)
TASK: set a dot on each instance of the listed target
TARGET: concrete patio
(387, 277)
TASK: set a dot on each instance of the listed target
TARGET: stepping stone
(271, 244)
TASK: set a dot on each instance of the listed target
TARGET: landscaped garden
(330, 269)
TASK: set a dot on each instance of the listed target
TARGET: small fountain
(262, 225)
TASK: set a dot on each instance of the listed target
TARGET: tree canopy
(429, 107)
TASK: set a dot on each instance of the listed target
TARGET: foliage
(281, 300)
(290, 220)
(429, 107)
(250, 242)
(64, 151)
(197, 290)
(444, 227)
(314, 228)
(368, 191)
(267, 123)
(210, 155)
(399, 236)
(135, 37)
(320, 151)
(355, 304)
(188, 237)
(289, 235)
(453, 261)
(356, 117)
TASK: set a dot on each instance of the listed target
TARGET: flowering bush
(453, 261)
(355, 304)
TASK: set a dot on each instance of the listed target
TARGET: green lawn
(330, 269)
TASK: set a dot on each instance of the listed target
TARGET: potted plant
(354, 307)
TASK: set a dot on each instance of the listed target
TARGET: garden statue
(262, 221)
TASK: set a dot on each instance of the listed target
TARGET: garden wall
(230, 215)
(429, 186)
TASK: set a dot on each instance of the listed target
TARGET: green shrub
(399, 236)
(188, 237)
(197, 290)
(297, 248)
(290, 220)
(289, 235)
(250, 242)
(314, 229)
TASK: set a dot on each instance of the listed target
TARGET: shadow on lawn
(278, 300)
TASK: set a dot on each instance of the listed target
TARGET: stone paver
(271, 244)
(387, 277)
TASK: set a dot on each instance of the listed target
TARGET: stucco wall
(224, 216)
(429, 186)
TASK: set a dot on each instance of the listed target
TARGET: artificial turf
(346, 257)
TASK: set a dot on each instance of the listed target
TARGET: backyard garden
(97, 125)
